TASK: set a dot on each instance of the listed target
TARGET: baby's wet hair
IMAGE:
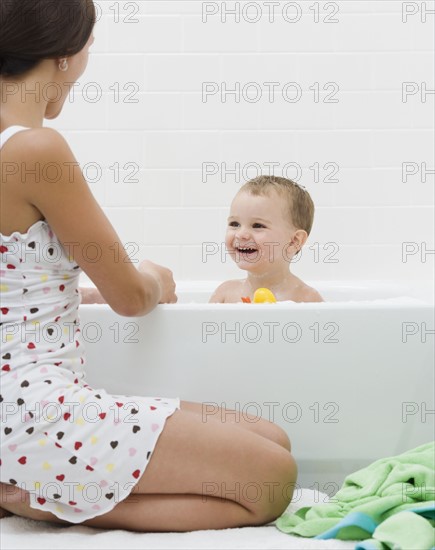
(300, 204)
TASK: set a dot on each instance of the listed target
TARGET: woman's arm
(69, 207)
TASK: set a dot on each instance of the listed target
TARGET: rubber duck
(261, 296)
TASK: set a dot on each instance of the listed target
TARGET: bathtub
(350, 380)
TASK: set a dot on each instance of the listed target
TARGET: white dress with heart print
(78, 450)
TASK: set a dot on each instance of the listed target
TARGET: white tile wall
(151, 134)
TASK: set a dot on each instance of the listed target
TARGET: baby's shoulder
(226, 290)
(307, 293)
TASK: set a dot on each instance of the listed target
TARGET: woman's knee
(278, 487)
(280, 436)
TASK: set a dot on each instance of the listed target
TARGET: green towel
(370, 496)
(405, 530)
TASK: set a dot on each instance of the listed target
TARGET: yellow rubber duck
(264, 296)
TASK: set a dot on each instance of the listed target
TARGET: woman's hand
(91, 295)
(164, 278)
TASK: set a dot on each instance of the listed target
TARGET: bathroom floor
(19, 533)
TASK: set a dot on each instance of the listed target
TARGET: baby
(270, 220)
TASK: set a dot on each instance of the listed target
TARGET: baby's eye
(233, 224)
(258, 226)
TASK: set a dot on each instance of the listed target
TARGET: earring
(63, 65)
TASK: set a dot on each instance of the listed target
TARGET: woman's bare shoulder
(34, 144)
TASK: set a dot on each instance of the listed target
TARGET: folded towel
(370, 496)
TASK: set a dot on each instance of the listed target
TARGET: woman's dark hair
(33, 30)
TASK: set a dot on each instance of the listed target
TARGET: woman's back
(19, 170)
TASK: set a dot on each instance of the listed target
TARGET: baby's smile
(247, 251)
(246, 248)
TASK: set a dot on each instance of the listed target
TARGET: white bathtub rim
(395, 304)
(399, 294)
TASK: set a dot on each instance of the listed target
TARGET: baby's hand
(165, 278)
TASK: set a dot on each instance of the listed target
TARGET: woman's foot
(4, 513)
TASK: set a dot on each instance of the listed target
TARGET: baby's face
(258, 233)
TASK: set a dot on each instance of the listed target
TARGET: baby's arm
(223, 293)
(218, 296)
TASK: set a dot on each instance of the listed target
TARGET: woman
(157, 466)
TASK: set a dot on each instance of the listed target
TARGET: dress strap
(9, 132)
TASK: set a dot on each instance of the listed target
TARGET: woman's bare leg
(212, 413)
(200, 476)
